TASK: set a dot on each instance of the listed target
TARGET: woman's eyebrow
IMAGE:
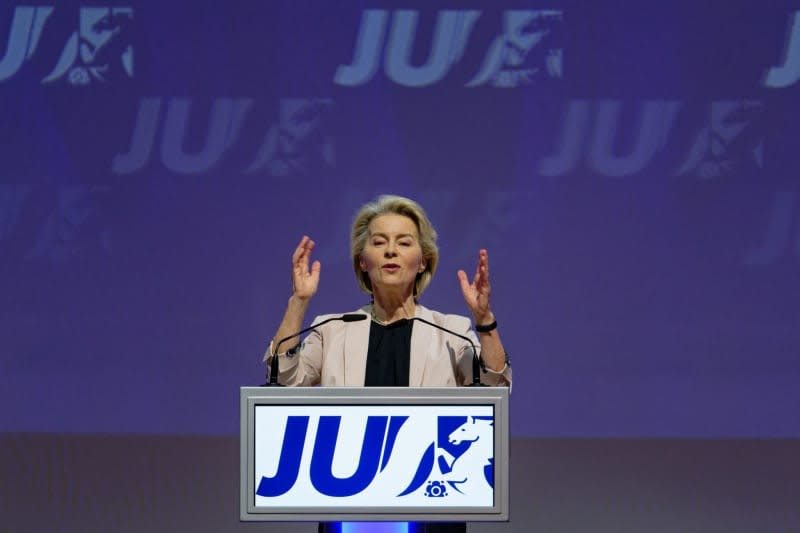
(399, 235)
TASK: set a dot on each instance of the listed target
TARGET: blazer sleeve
(490, 377)
(300, 365)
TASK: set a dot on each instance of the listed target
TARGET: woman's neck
(386, 310)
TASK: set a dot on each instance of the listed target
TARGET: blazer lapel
(421, 338)
(356, 345)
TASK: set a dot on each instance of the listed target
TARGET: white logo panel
(374, 456)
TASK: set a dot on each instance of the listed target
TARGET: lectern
(374, 454)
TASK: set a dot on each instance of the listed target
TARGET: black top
(389, 354)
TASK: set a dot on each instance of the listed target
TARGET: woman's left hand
(476, 294)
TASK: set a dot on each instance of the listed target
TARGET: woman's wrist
(297, 301)
(486, 328)
(485, 319)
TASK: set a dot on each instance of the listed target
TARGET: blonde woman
(394, 253)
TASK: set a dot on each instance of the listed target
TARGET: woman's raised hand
(304, 280)
(476, 294)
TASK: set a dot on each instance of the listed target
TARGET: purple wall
(631, 166)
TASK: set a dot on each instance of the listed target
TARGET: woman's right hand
(304, 280)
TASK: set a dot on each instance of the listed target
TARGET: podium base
(393, 527)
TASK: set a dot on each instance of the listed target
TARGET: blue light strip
(374, 527)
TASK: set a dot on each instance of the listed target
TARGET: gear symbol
(436, 489)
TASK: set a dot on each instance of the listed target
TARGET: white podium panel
(407, 454)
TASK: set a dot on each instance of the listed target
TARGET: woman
(394, 253)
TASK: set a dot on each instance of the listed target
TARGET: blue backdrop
(632, 168)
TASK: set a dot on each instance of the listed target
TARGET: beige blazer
(335, 354)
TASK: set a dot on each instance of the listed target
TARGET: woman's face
(392, 256)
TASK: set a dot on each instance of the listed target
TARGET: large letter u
(322, 461)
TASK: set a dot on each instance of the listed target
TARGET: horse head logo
(100, 50)
(464, 458)
(510, 62)
(465, 473)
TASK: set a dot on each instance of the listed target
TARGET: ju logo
(528, 48)
(377, 439)
(404, 456)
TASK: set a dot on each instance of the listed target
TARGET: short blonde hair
(394, 205)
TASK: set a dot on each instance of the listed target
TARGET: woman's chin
(393, 284)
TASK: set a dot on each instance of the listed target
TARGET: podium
(374, 454)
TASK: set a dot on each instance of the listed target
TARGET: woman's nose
(390, 250)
